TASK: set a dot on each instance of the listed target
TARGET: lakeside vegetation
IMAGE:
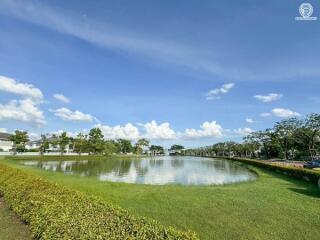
(274, 206)
(288, 139)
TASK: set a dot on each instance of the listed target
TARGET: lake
(153, 170)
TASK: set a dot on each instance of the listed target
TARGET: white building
(5, 144)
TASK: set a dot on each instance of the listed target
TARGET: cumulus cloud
(68, 115)
(284, 113)
(217, 92)
(265, 114)
(61, 98)
(26, 90)
(159, 131)
(271, 97)
(128, 131)
(24, 110)
(3, 130)
(207, 129)
(281, 112)
(249, 120)
(243, 131)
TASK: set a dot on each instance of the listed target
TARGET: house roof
(4, 136)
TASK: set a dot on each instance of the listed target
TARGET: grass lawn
(273, 207)
(11, 228)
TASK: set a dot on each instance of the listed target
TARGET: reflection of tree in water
(91, 167)
(156, 162)
(177, 163)
(223, 165)
(141, 167)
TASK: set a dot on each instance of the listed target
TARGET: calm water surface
(155, 170)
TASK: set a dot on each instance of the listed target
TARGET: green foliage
(44, 146)
(125, 145)
(176, 147)
(300, 173)
(54, 212)
(96, 141)
(157, 149)
(19, 139)
(63, 141)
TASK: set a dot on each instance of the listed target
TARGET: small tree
(63, 141)
(44, 146)
(19, 139)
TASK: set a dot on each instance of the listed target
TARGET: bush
(300, 173)
(55, 212)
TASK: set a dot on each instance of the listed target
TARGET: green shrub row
(55, 212)
(300, 173)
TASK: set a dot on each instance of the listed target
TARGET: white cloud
(24, 110)
(159, 132)
(217, 92)
(3, 130)
(249, 120)
(69, 115)
(284, 113)
(271, 97)
(243, 131)
(265, 114)
(27, 90)
(128, 131)
(61, 98)
(207, 129)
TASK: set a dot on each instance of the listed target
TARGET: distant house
(5, 143)
(35, 145)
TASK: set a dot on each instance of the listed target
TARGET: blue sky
(173, 71)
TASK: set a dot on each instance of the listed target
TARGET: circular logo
(306, 10)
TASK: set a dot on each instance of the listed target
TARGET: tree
(138, 149)
(125, 146)
(96, 141)
(80, 143)
(155, 149)
(312, 132)
(63, 141)
(176, 147)
(110, 147)
(19, 139)
(44, 145)
(285, 134)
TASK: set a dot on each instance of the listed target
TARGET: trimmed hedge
(300, 173)
(55, 212)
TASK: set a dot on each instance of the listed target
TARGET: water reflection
(157, 171)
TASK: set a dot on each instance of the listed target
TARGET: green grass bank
(275, 206)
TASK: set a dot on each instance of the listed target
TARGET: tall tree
(63, 141)
(141, 143)
(96, 140)
(81, 143)
(125, 145)
(312, 132)
(19, 139)
(285, 132)
(44, 144)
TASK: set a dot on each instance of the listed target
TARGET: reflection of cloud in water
(159, 171)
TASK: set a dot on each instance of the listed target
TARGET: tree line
(92, 143)
(291, 138)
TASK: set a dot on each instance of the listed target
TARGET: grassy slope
(11, 228)
(273, 207)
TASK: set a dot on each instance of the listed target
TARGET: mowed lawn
(273, 207)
